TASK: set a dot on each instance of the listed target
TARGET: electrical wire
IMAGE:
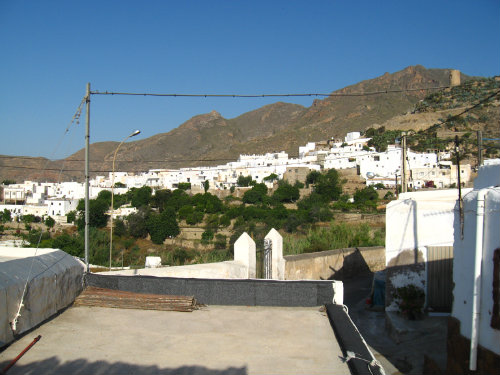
(333, 94)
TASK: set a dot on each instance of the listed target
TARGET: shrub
(410, 300)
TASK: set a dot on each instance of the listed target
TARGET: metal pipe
(13, 362)
(476, 298)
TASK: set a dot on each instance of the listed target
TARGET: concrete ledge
(221, 270)
(246, 292)
(350, 340)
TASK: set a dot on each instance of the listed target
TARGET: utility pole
(87, 137)
(459, 183)
(403, 163)
(479, 148)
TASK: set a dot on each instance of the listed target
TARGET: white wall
(415, 221)
(420, 219)
(463, 267)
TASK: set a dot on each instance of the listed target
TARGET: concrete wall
(414, 222)
(463, 268)
(220, 270)
(55, 280)
(253, 292)
(338, 264)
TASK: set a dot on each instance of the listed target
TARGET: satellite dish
(370, 175)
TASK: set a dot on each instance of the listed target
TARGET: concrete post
(278, 262)
(244, 252)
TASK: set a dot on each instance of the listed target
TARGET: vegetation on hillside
(164, 214)
(478, 101)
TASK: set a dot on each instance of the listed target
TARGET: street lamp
(112, 194)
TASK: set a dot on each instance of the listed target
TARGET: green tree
(244, 181)
(97, 213)
(286, 192)
(272, 177)
(184, 185)
(28, 219)
(185, 211)
(6, 216)
(195, 218)
(137, 223)
(161, 198)
(119, 229)
(256, 194)
(105, 195)
(71, 217)
(206, 185)
(141, 197)
(178, 199)
(207, 236)
(329, 185)
(50, 222)
(312, 177)
(366, 198)
(8, 182)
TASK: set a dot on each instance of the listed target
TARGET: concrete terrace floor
(215, 340)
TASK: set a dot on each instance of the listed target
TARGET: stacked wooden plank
(99, 297)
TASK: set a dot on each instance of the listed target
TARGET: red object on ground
(13, 362)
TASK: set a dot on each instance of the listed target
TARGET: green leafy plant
(410, 300)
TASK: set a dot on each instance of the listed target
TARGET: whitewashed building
(476, 276)
(61, 207)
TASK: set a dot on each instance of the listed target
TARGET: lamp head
(135, 133)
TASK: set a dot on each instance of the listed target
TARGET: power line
(333, 94)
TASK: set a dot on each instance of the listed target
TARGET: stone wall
(334, 264)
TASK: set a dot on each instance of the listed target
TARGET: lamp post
(112, 194)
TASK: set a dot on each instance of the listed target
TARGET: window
(376, 158)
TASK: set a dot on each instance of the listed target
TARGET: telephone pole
(87, 137)
(479, 148)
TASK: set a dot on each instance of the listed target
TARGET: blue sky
(51, 49)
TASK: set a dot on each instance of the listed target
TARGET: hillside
(210, 139)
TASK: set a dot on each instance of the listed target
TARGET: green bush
(410, 300)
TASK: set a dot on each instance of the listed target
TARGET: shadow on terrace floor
(407, 356)
(80, 367)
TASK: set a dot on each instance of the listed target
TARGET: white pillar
(278, 262)
(244, 252)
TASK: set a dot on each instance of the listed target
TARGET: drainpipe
(476, 300)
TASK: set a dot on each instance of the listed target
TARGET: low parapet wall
(334, 264)
(55, 279)
(249, 292)
(220, 270)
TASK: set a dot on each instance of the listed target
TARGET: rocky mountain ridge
(210, 139)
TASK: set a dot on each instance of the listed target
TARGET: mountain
(210, 139)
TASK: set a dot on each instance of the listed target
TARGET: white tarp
(55, 280)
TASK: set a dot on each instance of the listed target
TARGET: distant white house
(61, 207)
